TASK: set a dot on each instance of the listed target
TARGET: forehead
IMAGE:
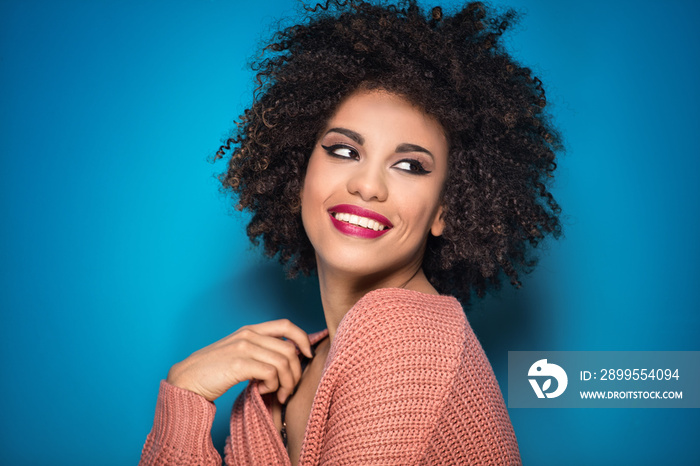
(389, 116)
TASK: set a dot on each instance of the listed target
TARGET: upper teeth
(359, 221)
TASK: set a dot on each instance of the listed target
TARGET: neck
(340, 290)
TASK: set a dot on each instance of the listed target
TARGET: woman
(402, 157)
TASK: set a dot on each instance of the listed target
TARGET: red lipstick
(356, 230)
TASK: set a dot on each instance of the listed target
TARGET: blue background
(118, 256)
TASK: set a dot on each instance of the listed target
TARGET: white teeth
(359, 221)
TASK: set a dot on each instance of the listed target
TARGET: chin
(363, 266)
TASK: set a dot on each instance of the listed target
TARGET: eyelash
(331, 150)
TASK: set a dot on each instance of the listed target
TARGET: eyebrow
(413, 148)
(349, 133)
(401, 148)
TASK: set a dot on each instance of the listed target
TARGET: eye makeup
(342, 151)
(412, 166)
(421, 165)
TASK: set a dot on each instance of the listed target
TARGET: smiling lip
(356, 230)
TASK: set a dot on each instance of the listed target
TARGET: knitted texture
(405, 382)
(181, 433)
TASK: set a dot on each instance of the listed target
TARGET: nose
(367, 181)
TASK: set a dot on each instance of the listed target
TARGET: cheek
(313, 169)
(421, 204)
(322, 180)
(309, 183)
(310, 196)
(414, 216)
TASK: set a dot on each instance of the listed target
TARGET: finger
(247, 340)
(283, 328)
(287, 349)
(284, 374)
(266, 374)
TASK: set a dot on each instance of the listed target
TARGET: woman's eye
(412, 166)
(341, 151)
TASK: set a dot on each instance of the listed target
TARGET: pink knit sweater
(405, 382)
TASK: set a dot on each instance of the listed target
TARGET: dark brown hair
(502, 146)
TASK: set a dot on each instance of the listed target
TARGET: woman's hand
(252, 352)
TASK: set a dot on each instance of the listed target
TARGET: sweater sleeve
(473, 426)
(181, 433)
(395, 394)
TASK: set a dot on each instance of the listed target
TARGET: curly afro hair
(502, 145)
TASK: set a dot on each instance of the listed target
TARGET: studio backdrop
(119, 256)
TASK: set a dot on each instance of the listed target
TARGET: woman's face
(372, 191)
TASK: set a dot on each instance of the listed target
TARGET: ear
(438, 222)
